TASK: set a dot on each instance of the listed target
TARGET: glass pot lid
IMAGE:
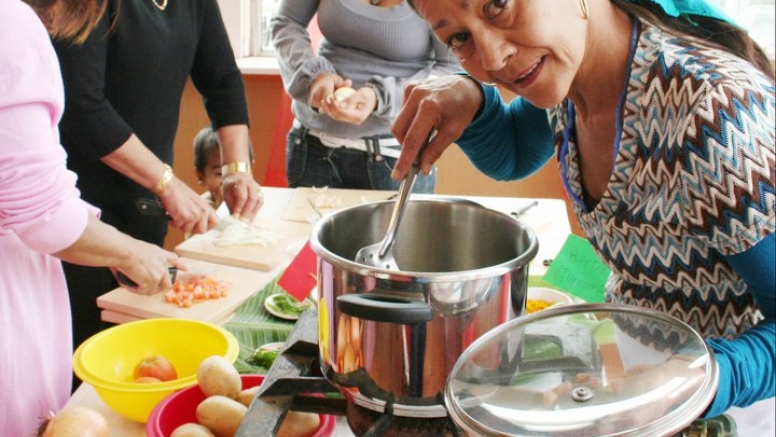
(587, 370)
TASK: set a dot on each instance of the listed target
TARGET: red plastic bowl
(181, 407)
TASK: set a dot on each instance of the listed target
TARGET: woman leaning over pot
(42, 218)
(660, 116)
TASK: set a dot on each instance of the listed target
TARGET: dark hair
(205, 142)
(716, 33)
(69, 19)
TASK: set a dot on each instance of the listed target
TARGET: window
(247, 22)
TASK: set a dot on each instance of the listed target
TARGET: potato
(192, 430)
(217, 376)
(221, 414)
(297, 424)
(246, 396)
(343, 93)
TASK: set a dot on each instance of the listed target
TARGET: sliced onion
(237, 233)
(325, 201)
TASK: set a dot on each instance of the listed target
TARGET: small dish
(266, 354)
(284, 306)
(275, 346)
(540, 298)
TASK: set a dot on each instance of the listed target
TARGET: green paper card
(578, 270)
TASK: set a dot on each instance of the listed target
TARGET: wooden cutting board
(328, 200)
(293, 235)
(121, 305)
(119, 318)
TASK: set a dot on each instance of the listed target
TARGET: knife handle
(124, 279)
(151, 207)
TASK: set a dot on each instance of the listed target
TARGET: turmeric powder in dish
(534, 305)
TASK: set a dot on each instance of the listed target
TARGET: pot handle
(378, 308)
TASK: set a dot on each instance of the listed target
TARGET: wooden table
(547, 218)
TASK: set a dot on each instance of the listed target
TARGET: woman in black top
(123, 89)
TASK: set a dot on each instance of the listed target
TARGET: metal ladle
(380, 254)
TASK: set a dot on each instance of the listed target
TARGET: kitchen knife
(124, 280)
(154, 208)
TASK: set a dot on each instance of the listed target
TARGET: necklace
(163, 4)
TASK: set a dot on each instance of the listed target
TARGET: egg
(340, 94)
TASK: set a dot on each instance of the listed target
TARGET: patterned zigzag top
(693, 180)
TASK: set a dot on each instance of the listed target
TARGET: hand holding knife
(153, 208)
(125, 281)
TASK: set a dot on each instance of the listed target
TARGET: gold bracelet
(236, 167)
(165, 180)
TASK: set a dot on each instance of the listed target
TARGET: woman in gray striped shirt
(372, 46)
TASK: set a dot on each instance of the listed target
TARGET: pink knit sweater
(40, 213)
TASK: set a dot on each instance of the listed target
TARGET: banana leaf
(253, 327)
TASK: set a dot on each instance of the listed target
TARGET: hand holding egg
(350, 105)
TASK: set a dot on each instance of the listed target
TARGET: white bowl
(553, 297)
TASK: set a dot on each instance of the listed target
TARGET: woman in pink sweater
(42, 218)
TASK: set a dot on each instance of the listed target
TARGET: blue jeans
(311, 164)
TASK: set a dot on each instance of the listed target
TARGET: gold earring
(583, 5)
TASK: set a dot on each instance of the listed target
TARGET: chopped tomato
(191, 289)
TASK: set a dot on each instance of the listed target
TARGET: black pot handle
(380, 308)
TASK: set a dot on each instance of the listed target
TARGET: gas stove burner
(367, 423)
(295, 383)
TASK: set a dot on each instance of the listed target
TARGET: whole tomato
(148, 380)
(156, 366)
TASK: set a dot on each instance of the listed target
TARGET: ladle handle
(405, 189)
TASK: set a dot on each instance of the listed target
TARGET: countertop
(547, 218)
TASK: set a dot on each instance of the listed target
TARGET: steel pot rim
(421, 276)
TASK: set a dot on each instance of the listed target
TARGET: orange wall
(456, 175)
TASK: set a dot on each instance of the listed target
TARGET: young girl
(207, 165)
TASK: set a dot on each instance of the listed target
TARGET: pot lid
(583, 370)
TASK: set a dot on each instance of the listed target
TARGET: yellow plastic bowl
(107, 360)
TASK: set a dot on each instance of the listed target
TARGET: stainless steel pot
(392, 337)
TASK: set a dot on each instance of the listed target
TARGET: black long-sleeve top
(129, 77)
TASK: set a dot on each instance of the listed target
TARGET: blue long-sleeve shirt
(690, 208)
